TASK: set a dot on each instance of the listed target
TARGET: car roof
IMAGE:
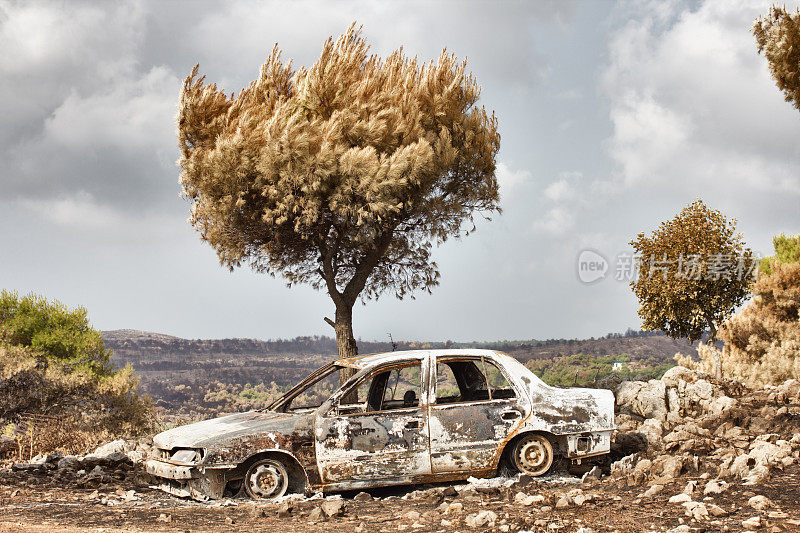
(363, 361)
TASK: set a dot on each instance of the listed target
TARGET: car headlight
(185, 455)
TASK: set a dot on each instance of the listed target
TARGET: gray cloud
(612, 119)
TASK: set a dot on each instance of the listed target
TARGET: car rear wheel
(266, 479)
(533, 455)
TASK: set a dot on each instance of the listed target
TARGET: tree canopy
(694, 271)
(342, 175)
(778, 37)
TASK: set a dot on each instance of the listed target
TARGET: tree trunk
(345, 342)
(345, 345)
(712, 341)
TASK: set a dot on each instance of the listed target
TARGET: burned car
(403, 418)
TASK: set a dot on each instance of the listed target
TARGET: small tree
(694, 271)
(787, 250)
(342, 175)
(778, 37)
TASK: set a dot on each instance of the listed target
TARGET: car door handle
(511, 414)
(414, 424)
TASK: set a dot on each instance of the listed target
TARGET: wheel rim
(267, 480)
(534, 455)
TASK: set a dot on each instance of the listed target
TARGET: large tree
(341, 175)
(694, 271)
(778, 37)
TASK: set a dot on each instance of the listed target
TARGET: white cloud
(137, 112)
(564, 188)
(556, 221)
(693, 107)
(79, 211)
(508, 179)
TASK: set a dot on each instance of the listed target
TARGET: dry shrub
(77, 408)
(762, 341)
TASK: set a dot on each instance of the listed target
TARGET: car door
(383, 432)
(473, 409)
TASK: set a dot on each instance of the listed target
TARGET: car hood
(224, 430)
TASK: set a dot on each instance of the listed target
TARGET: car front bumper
(188, 481)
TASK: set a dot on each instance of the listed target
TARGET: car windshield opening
(316, 392)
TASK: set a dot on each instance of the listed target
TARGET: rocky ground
(691, 455)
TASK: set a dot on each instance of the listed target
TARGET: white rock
(683, 528)
(759, 502)
(721, 405)
(455, 508)
(652, 491)
(653, 430)
(716, 510)
(644, 399)
(680, 498)
(696, 510)
(115, 446)
(752, 522)
(481, 518)
(715, 486)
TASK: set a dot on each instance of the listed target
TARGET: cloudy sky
(613, 116)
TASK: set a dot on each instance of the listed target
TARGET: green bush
(52, 362)
(50, 328)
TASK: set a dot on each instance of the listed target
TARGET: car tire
(266, 479)
(533, 454)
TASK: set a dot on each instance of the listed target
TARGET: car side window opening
(395, 388)
(403, 387)
(474, 380)
(447, 390)
(499, 387)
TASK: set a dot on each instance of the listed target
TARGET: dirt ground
(31, 503)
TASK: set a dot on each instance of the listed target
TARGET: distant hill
(213, 375)
(144, 347)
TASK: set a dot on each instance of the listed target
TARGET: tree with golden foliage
(778, 37)
(693, 272)
(342, 175)
(762, 341)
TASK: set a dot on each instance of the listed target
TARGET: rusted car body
(403, 418)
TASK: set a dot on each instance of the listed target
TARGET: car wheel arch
(298, 479)
(556, 441)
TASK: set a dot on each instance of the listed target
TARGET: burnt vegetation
(205, 377)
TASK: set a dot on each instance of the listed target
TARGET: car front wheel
(266, 479)
(533, 455)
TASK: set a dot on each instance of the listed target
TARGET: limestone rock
(680, 498)
(480, 519)
(759, 502)
(332, 508)
(715, 486)
(752, 522)
(676, 374)
(644, 399)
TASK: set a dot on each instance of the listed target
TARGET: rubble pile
(689, 423)
(110, 463)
